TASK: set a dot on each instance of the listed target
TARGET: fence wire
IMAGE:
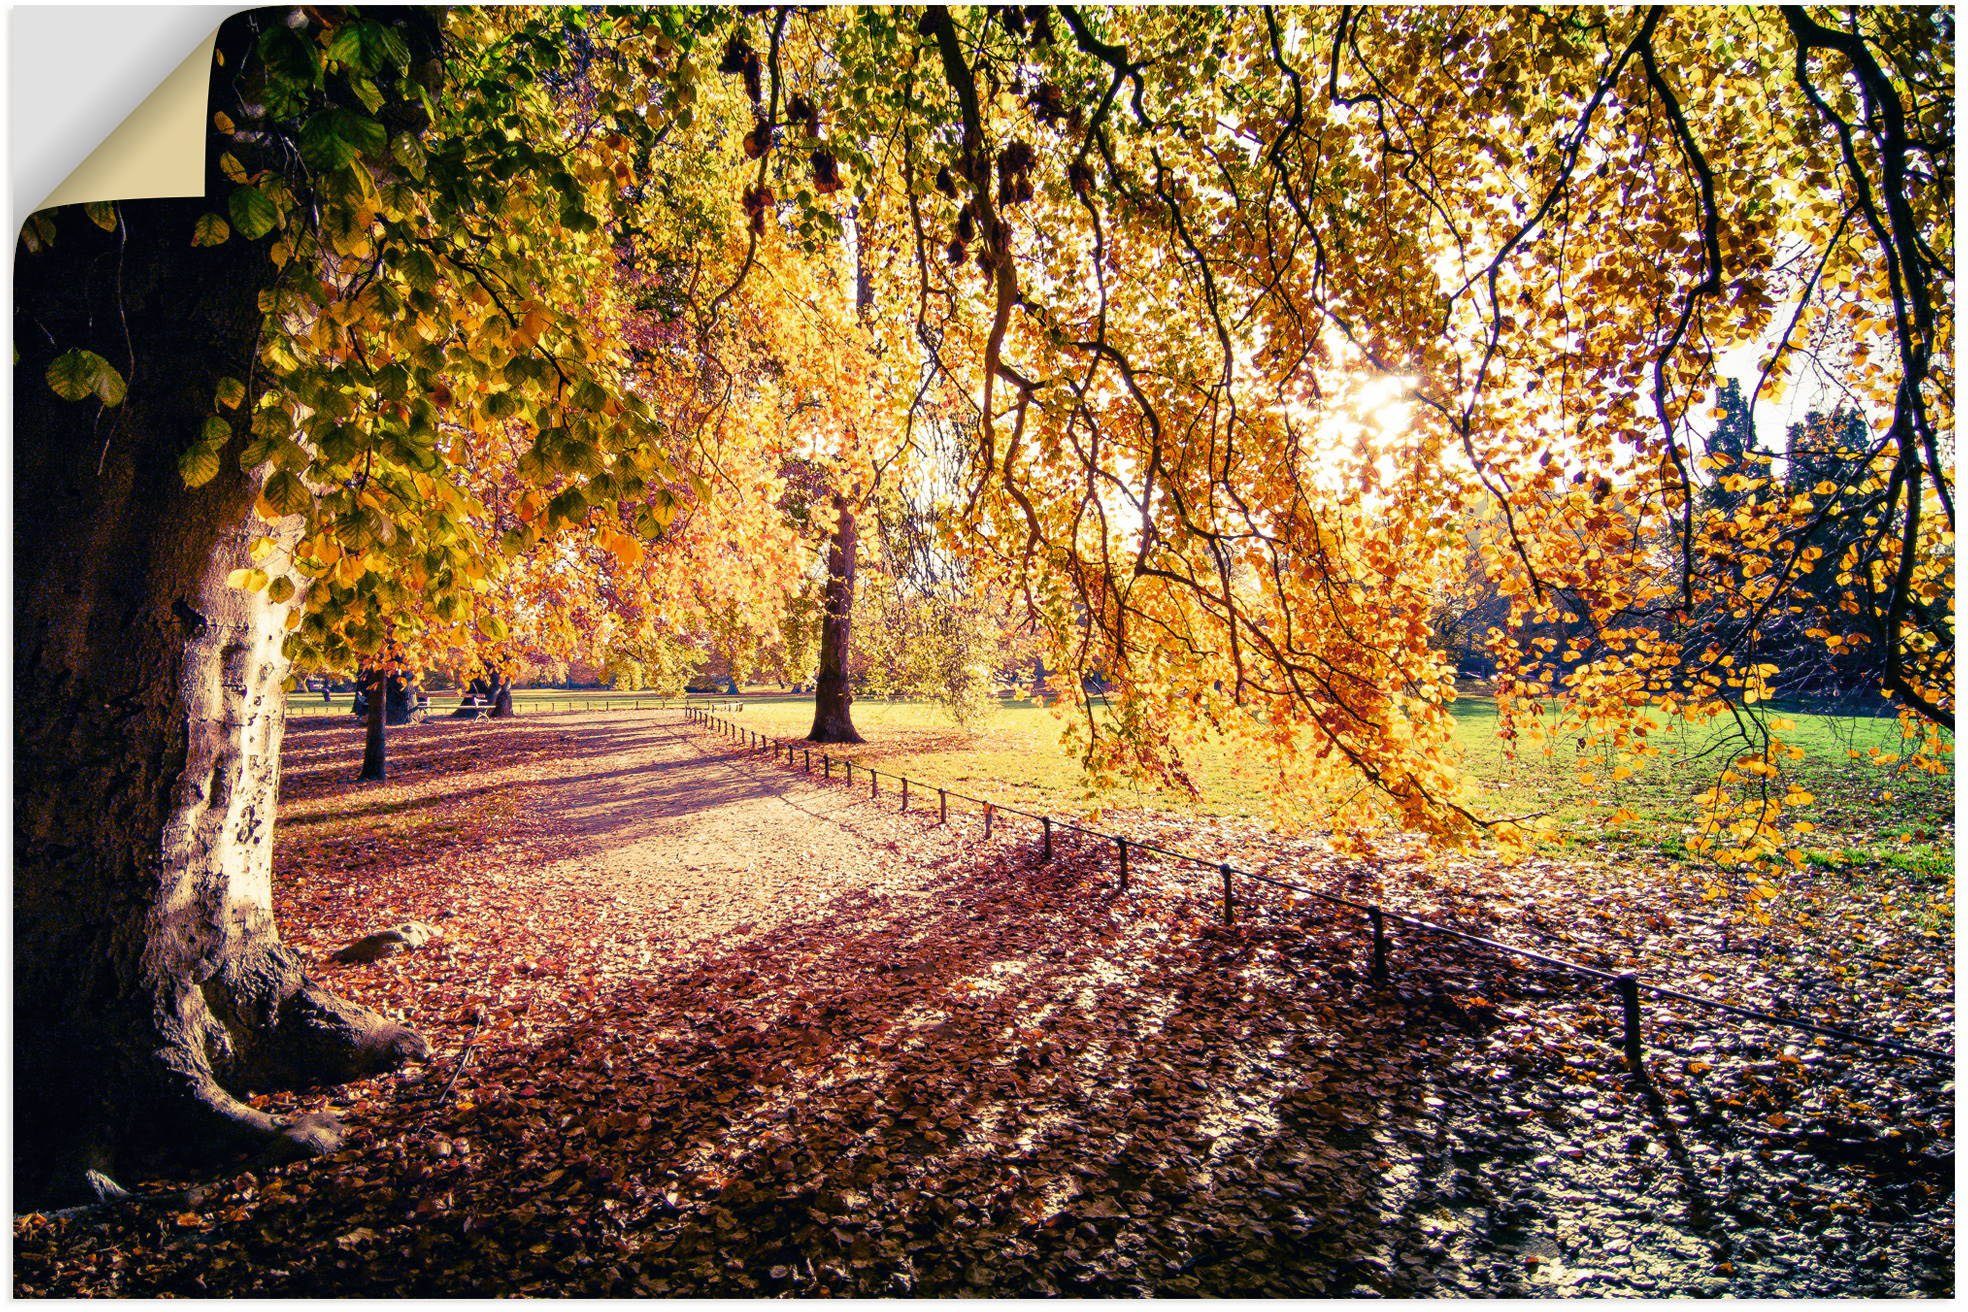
(1627, 985)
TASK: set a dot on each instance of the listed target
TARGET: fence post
(1629, 993)
(942, 807)
(807, 753)
(905, 792)
(874, 782)
(826, 766)
(1229, 898)
(1380, 942)
(1123, 846)
(850, 772)
(1045, 840)
(988, 809)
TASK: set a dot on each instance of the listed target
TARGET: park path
(681, 835)
(702, 1026)
(635, 836)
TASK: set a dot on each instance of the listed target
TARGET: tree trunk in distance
(502, 702)
(833, 699)
(150, 984)
(399, 699)
(375, 746)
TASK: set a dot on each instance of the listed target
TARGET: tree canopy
(1220, 341)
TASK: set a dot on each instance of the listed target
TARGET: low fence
(1626, 986)
(308, 707)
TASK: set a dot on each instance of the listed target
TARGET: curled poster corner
(158, 150)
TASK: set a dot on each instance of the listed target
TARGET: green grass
(1872, 823)
(1869, 819)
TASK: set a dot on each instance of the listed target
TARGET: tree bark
(150, 984)
(833, 698)
(494, 691)
(502, 702)
(375, 744)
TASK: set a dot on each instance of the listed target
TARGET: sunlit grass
(1870, 820)
(1867, 816)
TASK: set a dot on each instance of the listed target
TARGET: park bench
(474, 707)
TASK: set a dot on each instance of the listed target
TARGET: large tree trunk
(833, 698)
(150, 985)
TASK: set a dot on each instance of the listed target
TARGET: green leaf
(231, 392)
(210, 230)
(408, 152)
(569, 507)
(336, 138)
(346, 47)
(73, 374)
(215, 432)
(286, 494)
(280, 589)
(257, 451)
(110, 385)
(198, 466)
(76, 375)
(253, 213)
(419, 269)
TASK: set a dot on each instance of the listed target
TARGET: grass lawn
(1872, 822)
(1868, 818)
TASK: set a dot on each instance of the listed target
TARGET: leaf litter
(702, 1026)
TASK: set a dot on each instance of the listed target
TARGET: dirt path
(703, 1026)
(684, 831)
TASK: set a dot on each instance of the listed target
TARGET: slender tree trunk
(833, 698)
(375, 746)
(150, 985)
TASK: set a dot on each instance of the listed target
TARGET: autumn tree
(1254, 320)
(231, 418)
(1187, 250)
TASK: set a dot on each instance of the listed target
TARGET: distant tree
(1735, 465)
(1826, 448)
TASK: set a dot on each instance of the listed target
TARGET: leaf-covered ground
(701, 1026)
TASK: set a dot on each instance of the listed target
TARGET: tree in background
(1735, 466)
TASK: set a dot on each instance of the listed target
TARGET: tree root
(258, 1023)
